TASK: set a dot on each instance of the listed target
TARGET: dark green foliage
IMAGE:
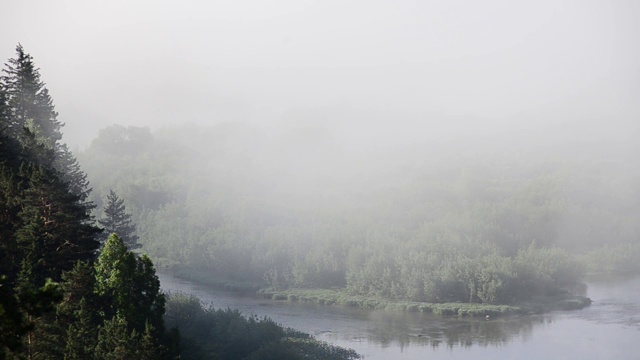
(25, 313)
(46, 227)
(43, 233)
(82, 333)
(117, 220)
(53, 304)
(29, 101)
(13, 324)
(149, 348)
(293, 348)
(71, 173)
(116, 341)
(38, 301)
(79, 286)
(56, 224)
(129, 286)
(5, 110)
(226, 334)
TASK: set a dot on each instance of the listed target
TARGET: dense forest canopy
(420, 152)
(66, 291)
(298, 205)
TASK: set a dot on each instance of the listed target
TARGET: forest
(74, 287)
(319, 179)
(282, 206)
(294, 207)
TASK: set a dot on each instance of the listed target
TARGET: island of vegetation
(495, 230)
(294, 212)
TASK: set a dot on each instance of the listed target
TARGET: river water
(608, 329)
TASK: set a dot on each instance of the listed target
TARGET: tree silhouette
(117, 220)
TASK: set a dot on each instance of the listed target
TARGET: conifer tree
(149, 347)
(36, 305)
(116, 341)
(117, 220)
(56, 226)
(13, 324)
(27, 112)
(9, 207)
(78, 285)
(67, 165)
(4, 109)
(81, 335)
(30, 104)
(78, 313)
(47, 235)
(45, 226)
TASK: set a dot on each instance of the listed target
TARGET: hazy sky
(408, 67)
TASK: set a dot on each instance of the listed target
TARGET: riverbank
(606, 329)
(536, 305)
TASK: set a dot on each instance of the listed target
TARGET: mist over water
(355, 144)
(606, 330)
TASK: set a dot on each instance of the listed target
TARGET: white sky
(410, 66)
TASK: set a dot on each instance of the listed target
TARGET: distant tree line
(220, 201)
(66, 290)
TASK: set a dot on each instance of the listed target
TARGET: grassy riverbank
(339, 297)
(535, 305)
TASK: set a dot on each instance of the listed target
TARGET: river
(608, 329)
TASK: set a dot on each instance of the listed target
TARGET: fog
(370, 72)
(446, 157)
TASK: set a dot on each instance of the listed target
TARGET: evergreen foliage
(29, 101)
(117, 220)
(49, 306)
(82, 334)
(44, 227)
(226, 334)
(57, 299)
(129, 286)
(56, 225)
(116, 341)
(71, 173)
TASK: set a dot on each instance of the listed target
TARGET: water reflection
(389, 329)
(606, 329)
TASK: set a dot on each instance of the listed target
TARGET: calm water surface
(608, 329)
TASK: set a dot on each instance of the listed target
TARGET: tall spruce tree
(44, 226)
(67, 165)
(48, 235)
(56, 226)
(29, 114)
(4, 109)
(29, 101)
(116, 341)
(117, 220)
(81, 334)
